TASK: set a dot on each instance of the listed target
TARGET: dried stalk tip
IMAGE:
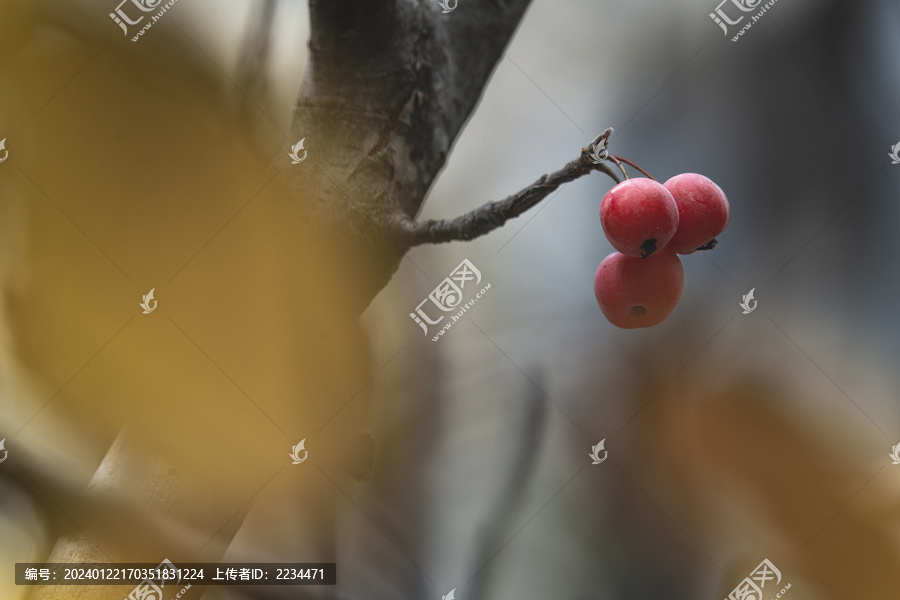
(709, 245)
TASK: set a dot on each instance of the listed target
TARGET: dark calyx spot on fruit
(638, 311)
(709, 245)
(648, 247)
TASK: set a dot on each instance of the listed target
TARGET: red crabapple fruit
(635, 292)
(639, 217)
(703, 211)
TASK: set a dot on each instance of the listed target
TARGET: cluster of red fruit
(650, 224)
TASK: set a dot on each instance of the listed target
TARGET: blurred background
(459, 464)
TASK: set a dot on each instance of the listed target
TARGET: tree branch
(492, 215)
(388, 87)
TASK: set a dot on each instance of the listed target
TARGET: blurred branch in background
(497, 520)
(253, 62)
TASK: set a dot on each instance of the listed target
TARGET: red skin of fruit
(637, 211)
(639, 292)
(703, 211)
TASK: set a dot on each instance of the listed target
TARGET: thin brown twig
(492, 215)
(618, 164)
(631, 164)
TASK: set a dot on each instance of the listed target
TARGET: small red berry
(634, 292)
(703, 211)
(639, 217)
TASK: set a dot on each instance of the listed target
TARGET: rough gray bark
(388, 88)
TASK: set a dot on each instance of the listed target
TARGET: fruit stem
(616, 159)
(618, 164)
